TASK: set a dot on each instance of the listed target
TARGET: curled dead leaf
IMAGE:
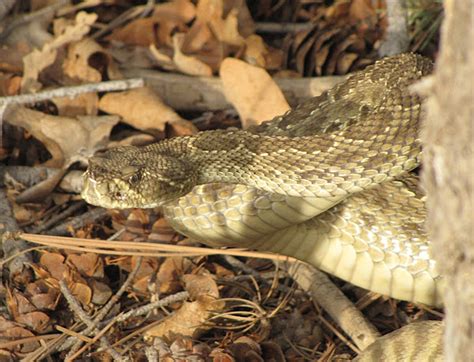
(38, 60)
(90, 133)
(85, 59)
(252, 92)
(82, 292)
(255, 51)
(188, 64)
(141, 108)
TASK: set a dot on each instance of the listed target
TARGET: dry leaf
(54, 264)
(188, 64)
(30, 35)
(11, 58)
(90, 133)
(141, 108)
(226, 30)
(190, 319)
(88, 264)
(178, 10)
(16, 332)
(36, 321)
(82, 104)
(255, 51)
(101, 292)
(82, 292)
(140, 32)
(163, 60)
(85, 61)
(169, 275)
(252, 92)
(197, 36)
(38, 60)
(42, 295)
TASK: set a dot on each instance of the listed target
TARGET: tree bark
(448, 174)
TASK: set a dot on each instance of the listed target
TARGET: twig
(29, 176)
(105, 310)
(178, 297)
(186, 93)
(279, 28)
(11, 244)
(73, 91)
(77, 309)
(136, 12)
(88, 217)
(334, 302)
(57, 218)
(5, 7)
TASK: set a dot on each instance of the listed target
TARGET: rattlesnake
(327, 183)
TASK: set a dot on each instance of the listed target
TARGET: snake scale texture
(328, 183)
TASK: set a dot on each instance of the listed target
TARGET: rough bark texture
(448, 174)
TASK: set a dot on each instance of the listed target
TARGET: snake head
(128, 177)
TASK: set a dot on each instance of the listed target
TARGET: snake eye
(134, 178)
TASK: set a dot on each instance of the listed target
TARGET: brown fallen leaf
(189, 320)
(88, 264)
(177, 10)
(81, 291)
(36, 321)
(17, 332)
(226, 30)
(101, 292)
(169, 275)
(143, 109)
(42, 295)
(140, 32)
(54, 264)
(90, 133)
(196, 38)
(188, 64)
(252, 92)
(38, 60)
(82, 104)
(86, 60)
(255, 50)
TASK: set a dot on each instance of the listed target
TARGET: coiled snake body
(327, 183)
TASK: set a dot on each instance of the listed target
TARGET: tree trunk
(448, 174)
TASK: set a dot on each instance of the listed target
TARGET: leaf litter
(138, 299)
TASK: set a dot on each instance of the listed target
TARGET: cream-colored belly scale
(374, 239)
